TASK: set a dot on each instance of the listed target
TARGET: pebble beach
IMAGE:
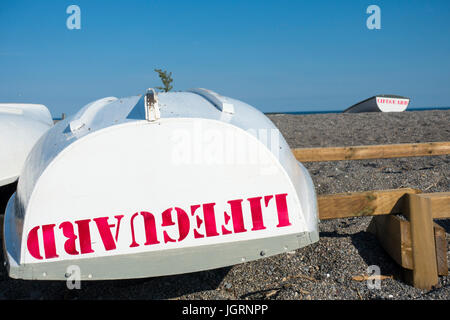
(325, 269)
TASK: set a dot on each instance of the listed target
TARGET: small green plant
(166, 79)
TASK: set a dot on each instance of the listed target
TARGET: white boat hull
(169, 184)
(380, 103)
(21, 125)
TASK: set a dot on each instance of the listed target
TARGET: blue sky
(275, 55)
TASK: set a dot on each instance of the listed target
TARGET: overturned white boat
(157, 184)
(21, 125)
(381, 103)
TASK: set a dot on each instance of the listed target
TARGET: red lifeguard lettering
(183, 224)
(104, 228)
(150, 228)
(49, 241)
(282, 210)
(205, 226)
(210, 219)
(133, 239)
(33, 243)
(267, 200)
(84, 235)
(227, 218)
(236, 216)
(69, 244)
(256, 211)
(151, 236)
(199, 221)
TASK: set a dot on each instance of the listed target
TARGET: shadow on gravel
(444, 223)
(371, 252)
(6, 193)
(157, 288)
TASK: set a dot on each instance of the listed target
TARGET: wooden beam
(394, 235)
(441, 250)
(372, 151)
(440, 204)
(358, 204)
(418, 211)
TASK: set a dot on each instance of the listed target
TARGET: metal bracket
(152, 112)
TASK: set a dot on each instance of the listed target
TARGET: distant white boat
(381, 103)
(21, 125)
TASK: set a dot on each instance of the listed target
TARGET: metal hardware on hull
(151, 105)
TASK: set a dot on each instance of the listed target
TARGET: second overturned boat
(21, 125)
(381, 103)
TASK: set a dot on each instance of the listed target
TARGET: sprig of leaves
(166, 79)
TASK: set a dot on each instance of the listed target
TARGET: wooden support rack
(413, 240)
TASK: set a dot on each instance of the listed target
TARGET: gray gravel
(325, 269)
